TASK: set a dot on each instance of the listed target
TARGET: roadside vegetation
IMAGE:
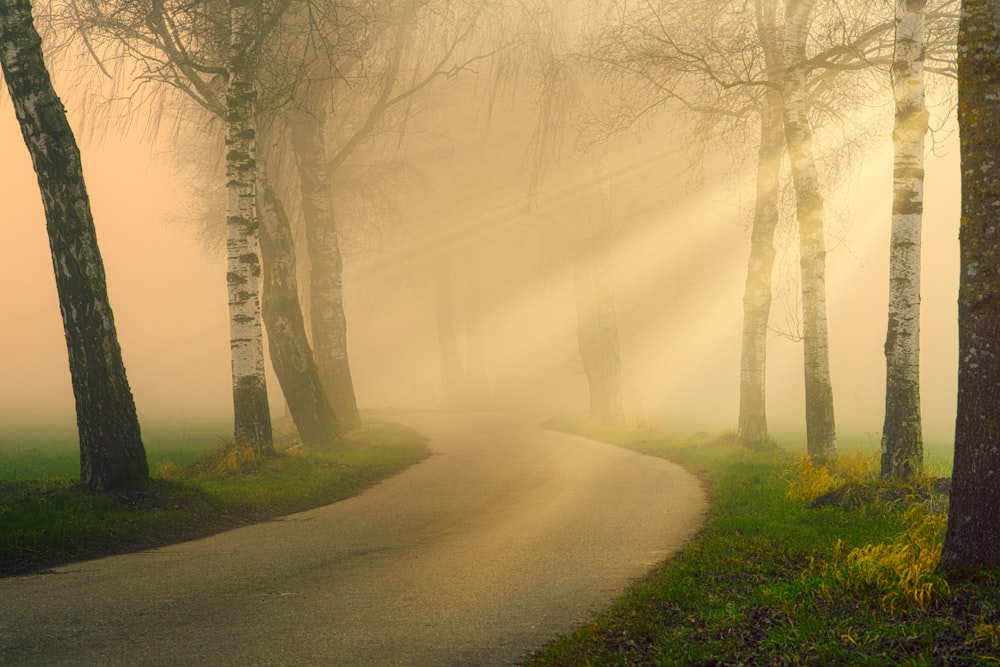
(795, 565)
(47, 518)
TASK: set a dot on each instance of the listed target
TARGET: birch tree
(902, 444)
(820, 427)
(252, 415)
(972, 539)
(111, 451)
(210, 55)
(705, 62)
(752, 426)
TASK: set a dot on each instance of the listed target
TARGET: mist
(680, 265)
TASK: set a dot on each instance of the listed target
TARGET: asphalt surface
(506, 536)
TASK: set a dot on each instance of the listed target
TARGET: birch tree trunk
(902, 442)
(820, 427)
(291, 354)
(326, 284)
(111, 451)
(752, 430)
(252, 418)
(972, 539)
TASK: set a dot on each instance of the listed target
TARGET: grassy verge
(46, 522)
(774, 580)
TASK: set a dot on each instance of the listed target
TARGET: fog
(681, 264)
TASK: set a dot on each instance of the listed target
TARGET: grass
(773, 579)
(34, 452)
(47, 519)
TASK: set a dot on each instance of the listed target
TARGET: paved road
(507, 535)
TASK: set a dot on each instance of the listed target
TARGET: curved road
(507, 535)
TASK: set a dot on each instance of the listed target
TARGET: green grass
(47, 519)
(33, 452)
(771, 580)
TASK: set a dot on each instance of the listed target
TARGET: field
(51, 451)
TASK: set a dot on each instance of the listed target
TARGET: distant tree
(567, 94)
(111, 452)
(405, 52)
(326, 263)
(291, 355)
(597, 317)
(455, 382)
(972, 539)
(902, 443)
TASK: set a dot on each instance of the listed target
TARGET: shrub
(807, 482)
(169, 470)
(902, 571)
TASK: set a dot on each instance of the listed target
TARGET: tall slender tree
(902, 443)
(291, 355)
(252, 417)
(972, 539)
(706, 60)
(820, 426)
(326, 264)
(597, 319)
(752, 429)
(111, 451)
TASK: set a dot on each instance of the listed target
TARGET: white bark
(902, 447)
(820, 427)
(252, 418)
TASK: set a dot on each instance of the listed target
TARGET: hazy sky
(169, 299)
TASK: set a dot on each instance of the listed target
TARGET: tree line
(292, 91)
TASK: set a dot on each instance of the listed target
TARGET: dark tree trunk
(973, 536)
(291, 354)
(111, 451)
(326, 268)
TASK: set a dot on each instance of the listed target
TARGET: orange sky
(164, 289)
